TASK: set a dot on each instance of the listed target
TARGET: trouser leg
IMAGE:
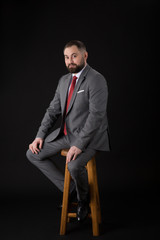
(43, 162)
(79, 173)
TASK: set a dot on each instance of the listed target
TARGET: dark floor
(125, 216)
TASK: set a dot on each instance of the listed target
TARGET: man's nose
(71, 60)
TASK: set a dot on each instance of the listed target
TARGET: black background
(120, 39)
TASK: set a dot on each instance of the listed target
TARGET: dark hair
(80, 45)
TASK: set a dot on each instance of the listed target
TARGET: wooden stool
(94, 204)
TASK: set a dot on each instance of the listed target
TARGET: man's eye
(74, 56)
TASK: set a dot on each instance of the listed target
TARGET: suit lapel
(80, 80)
(64, 94)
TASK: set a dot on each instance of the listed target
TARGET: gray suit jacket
(86, 119)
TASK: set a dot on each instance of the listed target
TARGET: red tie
(69, 99)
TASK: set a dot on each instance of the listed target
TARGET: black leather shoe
(82, 210)
(72, 198)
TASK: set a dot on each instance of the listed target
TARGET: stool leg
(93, 197)
(64, 212)
(97, 192)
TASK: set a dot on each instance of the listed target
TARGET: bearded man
(81, 99)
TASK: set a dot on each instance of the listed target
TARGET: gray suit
(86, 123)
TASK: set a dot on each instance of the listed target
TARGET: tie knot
(74, 78)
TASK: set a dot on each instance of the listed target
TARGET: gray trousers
(76, 167)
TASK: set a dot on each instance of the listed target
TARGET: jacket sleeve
(98, 95)
(51, 115)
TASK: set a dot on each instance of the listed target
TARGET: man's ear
(86, 55)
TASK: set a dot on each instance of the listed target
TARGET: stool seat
(94, 203)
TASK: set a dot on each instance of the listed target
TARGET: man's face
(75, 59)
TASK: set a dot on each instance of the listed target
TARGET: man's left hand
(72, 153)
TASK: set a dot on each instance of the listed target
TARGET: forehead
(70, 50)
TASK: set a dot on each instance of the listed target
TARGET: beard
(76, 68)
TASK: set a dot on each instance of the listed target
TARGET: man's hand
(72, 153)
(36, 145)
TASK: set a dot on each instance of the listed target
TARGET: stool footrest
(74, 215)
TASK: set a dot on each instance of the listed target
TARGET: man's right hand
(36, 145)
